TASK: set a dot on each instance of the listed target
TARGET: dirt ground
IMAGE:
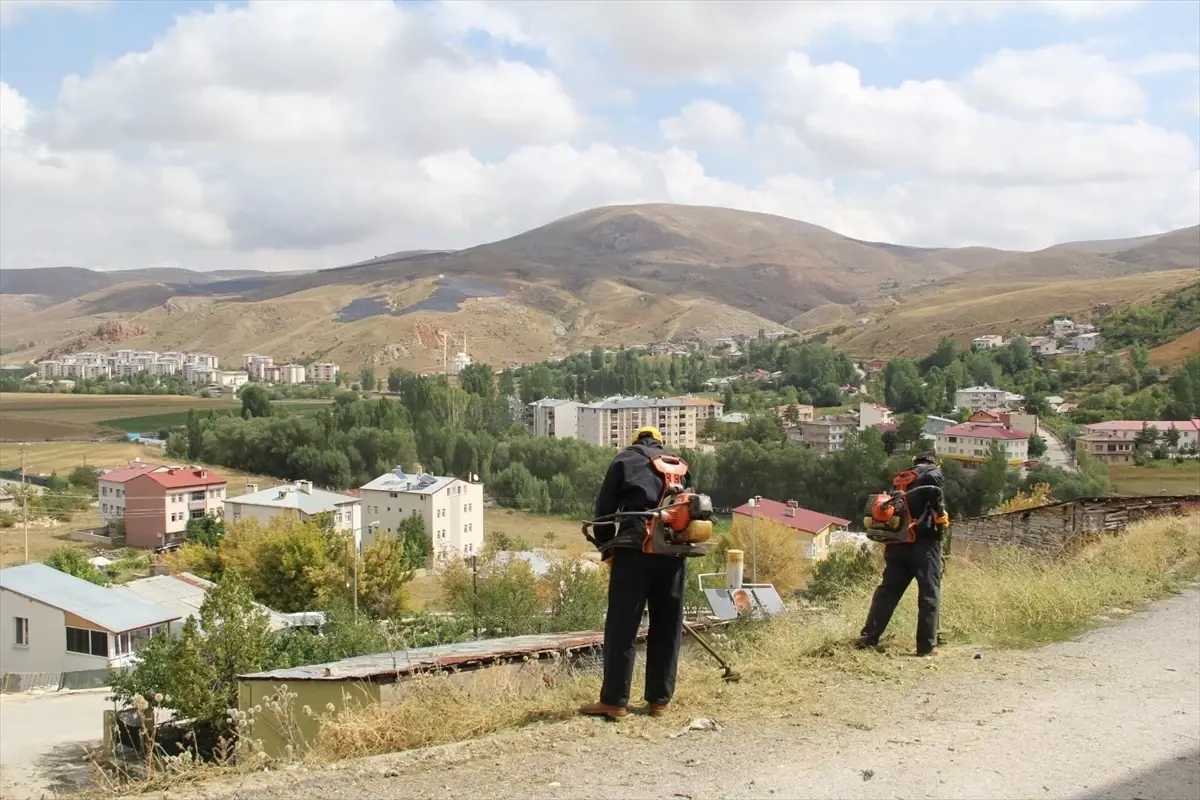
(1115, 714)
(43, 741)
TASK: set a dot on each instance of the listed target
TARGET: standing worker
(636, 580)
(920, 559)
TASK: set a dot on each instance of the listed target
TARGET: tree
(508, 386)
(578, 595)
(195, 434)
(1037, 446)
(383, 574)
(74, 561)
(205, 531)
(504, 592)
(910, 430)
(84, 477)
(256, 402)
(290, 565)
(477, 379)
(417, 544)
(366, 377)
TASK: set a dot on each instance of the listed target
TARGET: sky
(300, 135)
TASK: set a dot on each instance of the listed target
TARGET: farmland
(1159, 478)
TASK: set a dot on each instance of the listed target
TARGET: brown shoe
(603, 710)
(656, 709)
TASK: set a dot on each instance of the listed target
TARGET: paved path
(1113, 715)
(1056, 452)
(43, 738)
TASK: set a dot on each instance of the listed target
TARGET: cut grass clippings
(804, 659)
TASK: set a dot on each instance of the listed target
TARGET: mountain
(612, 275)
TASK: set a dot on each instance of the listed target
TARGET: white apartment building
(871, 414)
(292, 373)
(556, 419)
(980, 398)
(970, 443)
(1086, 342)
(325, 372)
(989, 342)
(826, 435)
(612, 422)
(124, 364)
(452, 509)
(299, 500)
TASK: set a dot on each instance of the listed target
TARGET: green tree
(508, 386)
(256, 402)
(366, 377)
(1037, 446)
(477, 379)
(578, 595)
(205, 531)
(502, 597)
(74, 561)
(195, 433)
(84, 477)
(417, 544)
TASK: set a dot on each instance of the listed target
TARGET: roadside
(43, 739)
(1056, 451)
(1115, 714)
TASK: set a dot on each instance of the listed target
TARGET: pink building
(159, 504)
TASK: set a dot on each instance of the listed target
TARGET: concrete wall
(1053, 528)
(274, 732)
(47, 648)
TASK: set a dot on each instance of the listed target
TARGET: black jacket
(927, 500)
(631, 484)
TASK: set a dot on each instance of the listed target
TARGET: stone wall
(1055, 527)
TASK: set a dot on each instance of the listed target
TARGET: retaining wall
(16, 682)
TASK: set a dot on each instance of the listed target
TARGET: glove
(941, 521)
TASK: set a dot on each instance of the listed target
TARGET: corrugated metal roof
(127, 471)
(314, 501)
(182, 595)
(399, 481)
(114, 611)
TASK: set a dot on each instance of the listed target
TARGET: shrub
(846, 567)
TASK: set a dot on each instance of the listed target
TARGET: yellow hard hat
(648, 430)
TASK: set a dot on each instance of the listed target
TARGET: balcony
(197, 505)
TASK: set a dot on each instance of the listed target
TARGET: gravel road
(1115, 714)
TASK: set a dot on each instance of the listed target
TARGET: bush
(846, 567)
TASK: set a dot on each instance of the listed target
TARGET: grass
(175, 419)
(45, 417)
(1175, 352)
(1163, 477)
(802, 660)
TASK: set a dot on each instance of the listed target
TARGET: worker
(637, 580)
(920, 559)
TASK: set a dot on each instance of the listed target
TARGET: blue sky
(586, 124)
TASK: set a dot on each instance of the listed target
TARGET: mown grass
(1003, 600)
(149, 423)
(1160, 477)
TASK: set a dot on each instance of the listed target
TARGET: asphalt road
(43, 738)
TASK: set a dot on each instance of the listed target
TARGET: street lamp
(357, 548)
(754, 503)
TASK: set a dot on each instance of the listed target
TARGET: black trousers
(637, 580)
(921, 560)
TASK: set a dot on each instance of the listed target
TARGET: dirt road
(1113, 715)
(43, 739)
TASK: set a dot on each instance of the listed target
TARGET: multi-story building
(299, 500)
(292, 373)
(158, 504)
(260, 368)
(1086, 342)
(970, 443)
(123, 364)
(556, 419)
(452, 509)
(980, 398)
(795, 414)
(706, 409)
(325, 372)
(872, 414)
(1061, 328)
(989, 342)
(612, 422)
(111, 489)
(1114, 441)
(825, 435)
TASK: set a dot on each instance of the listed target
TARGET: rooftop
(984, 388)
(111, 610)
(550, 402)
(803, 520)
(182, 595)
(1137, 425)
(303, 497)
(126, 471)
(399, 481)
(183, 477)
(637, 402)
(984, 430)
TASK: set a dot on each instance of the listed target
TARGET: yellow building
(770, 524)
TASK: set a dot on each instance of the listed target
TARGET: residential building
(299, 500)
(181, 596)
(556, 419)
(57, 623)
(1107, 446)
(1042, 346)
(978, 398)
(935, 425)
(292, 374)
(989, 342)
(452, 509)
(612, 422)
(1104, 439)
(734, 418)
(1012, 419)
(970, 443)
(706, 409)
(812, 530)
(159, 504)
(111, 489)
(826, 435)
(1061, 328)
(871, 415)
(799, 412)
(325, 372)
(123, 364)
(1086, 342)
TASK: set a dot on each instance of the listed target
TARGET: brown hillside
(1178, 350)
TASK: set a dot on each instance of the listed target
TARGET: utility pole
(25, 503)
(475, 595)
(754, 501)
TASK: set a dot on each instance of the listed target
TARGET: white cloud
(11, 11)
(704, 123)
(289, 135)
(1163, 63)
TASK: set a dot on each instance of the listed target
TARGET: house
(111, 488)
(874, 365)
(799, 412)
(978, 398)
(1061, 328)
(1107, 446)
(182, 595)
(813, 530)
(1113, 441)
(826, 435)
(989, 342)
(969, 443)
(1012, 419)
(871, 415)
(553, 418)
(706, 409)
(452, 509)
(325, 372)
(299, 500)
(158, 504)
(1042, 346)
(1086, 342)
(57, 623)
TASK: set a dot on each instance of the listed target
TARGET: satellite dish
(474, 478)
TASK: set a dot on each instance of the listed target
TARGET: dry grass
(1176, 351)
(55, 416)
(803, 659)
(1158, 478)
(540, 533)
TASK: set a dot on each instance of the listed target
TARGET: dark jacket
(926, 501)
(631, 484)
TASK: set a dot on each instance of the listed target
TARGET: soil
(1114, 714)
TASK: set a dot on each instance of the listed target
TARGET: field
(1177, 351)
(1161, 478)
(65, 417)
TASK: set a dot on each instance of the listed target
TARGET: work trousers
(921, 560)
(637, 580)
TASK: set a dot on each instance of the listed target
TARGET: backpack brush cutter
(888, 516)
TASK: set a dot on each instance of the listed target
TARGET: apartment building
(325, 372)
(871, 414)
(299, 500)
(970, 443)
(795, 414)
(159, 503)
(111, 489)
(452, 509)
(706, 409)
(980, 398)
(292, 374)
(122, 364)
(1086, 342)
(556, 419)
(989, 342)
(1107, 446)
(612, 422)
(1113, 441)
(825, 435)
(1061, 328)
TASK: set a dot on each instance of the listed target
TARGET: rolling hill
(613, 275)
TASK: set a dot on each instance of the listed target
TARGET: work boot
(930, 654)
(655, 709)
(866, 644)
(603, 710)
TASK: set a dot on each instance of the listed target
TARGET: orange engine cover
(882, 508)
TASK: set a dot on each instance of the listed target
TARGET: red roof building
(970, 443)
(110, 489)
(791, 515)
(158, 504)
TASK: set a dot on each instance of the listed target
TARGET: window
(121, 644)
(21, 637)
(89, 643)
